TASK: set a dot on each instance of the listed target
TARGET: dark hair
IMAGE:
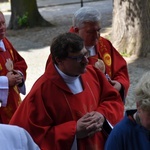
(65, 43)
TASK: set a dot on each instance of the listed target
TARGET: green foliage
(124, 54)
(23, 20)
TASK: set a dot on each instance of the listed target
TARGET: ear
(59, 61)
(138, 107)
(76, 29)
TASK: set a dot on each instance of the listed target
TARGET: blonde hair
(142, 92)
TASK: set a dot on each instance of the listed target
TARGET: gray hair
(85, 14)
(142, 92)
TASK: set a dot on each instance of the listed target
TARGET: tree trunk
(24, 13)
(131, 26)
(4, 1)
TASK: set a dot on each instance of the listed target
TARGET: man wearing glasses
(87, 24)
(102, 54)
(70, 105)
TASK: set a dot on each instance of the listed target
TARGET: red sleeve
(120, 70)
(110, 103)
(34, 117)
(119, 66)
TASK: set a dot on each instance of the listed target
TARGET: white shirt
(3, 83)
(15, 138)
(92, 50)
(73, 83)
(3, 90)
(2, 45)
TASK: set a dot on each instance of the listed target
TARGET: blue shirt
(128, 135)
(15, 138)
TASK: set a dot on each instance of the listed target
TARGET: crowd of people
(78, 102)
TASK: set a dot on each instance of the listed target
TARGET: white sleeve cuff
(22, 89)
(3, 90)
(74, 145)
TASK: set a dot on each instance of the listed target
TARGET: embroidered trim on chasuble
(8, 54)
(78, 113)
(9, 48)
(1, 69)
(104, 53)
(11, 52)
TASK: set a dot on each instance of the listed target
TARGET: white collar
(73, 83)
(67, 79)
(2, 45)
(92, 50)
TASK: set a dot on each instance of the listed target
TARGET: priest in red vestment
(12, 76)
(71, 106)
(86, 24)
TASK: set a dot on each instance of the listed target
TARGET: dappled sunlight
(131, 59)
(136, 67)
(4, 6)
(33, 44)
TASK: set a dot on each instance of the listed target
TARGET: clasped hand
(89, 124)
(14, 78)
(115, 84)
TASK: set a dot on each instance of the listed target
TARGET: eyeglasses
(79, 58)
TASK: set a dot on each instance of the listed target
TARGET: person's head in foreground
(133, 132)
(69, 54)
(142, 97)
(86, 23)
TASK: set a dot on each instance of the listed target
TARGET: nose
(2, 25)
(98, 34)
(85, 59)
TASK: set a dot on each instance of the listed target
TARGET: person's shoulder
(9, 128)
(95, 72)
(104, 42)
(8, 43)
(124, 126)
(5, 39)
(92, 69)
(10, 133)
(104, 39)
(16, 137)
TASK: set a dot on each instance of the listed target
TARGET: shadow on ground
(136, 67)
(61, 17)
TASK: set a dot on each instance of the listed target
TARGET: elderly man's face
(90, 32)
(2, 26)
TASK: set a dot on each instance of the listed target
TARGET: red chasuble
(50, 111)
(14, 96)
(115, 64)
